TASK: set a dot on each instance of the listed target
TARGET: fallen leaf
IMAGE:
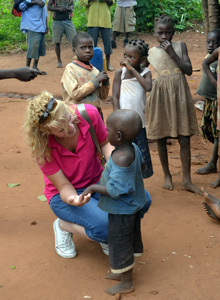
(42, 198)
(12, 267)
(13, 184)
(1, 286)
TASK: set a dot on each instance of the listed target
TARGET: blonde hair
(37, 133)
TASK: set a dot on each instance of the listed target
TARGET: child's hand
(62, 9)
(126, 64)
(102, 76)
(78, 200)
(167, 47)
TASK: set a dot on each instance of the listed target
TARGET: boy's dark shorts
(124, 239)
(36, 44)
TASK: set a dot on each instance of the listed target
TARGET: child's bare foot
(216, 183)
(188, 186)
(113, 276)
(209, 212)
(168, 185)
(121, 288)
(213, 203)
(59, 65)
(207, 169)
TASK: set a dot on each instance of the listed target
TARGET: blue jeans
(89, 216)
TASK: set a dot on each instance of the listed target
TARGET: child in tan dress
(170, 107)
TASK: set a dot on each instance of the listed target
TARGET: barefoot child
(170, 109)
(129, 92)
(123, 196)
(81, 82)
(216, 83)
(209, 118)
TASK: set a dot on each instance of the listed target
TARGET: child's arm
(23, 74)
(145, 81)
(70, 84)
(210, 59)
(116, 89)
(95, 188)
(184, 64)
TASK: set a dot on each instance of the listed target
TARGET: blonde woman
(60, 141)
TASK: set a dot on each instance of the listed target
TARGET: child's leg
(211, 167)
(124, 287)
(35, 64)
(28, 62)
(162, 150)
(185, 156)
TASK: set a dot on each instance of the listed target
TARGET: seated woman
(60, 140)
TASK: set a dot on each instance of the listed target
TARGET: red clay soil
(181, 243)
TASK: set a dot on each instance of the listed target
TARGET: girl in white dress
(129, 92)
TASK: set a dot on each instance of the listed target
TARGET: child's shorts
(124, 240)
(124, 19)
(36, 44)
(62, 27)
(141, 142)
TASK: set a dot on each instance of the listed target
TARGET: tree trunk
(205, 13)
(213, 14)
(211, 11)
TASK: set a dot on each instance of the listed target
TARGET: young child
(123, 196)
(209, 117)
(81, 82)
(216, 83)
(129, 92)
(170, 109)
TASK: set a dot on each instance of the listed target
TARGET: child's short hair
(216, 32)
(140, 44)
(78, 36)
(164, 19)
(128, 121)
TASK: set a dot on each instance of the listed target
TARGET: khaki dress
(170, 109)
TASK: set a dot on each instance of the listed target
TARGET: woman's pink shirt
(83, 167)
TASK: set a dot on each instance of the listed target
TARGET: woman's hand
(78, 200)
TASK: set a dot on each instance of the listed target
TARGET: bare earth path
(182, 245)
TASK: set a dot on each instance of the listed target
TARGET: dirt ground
(181, 243)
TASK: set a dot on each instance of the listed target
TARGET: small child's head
(83, 45)
(164, 28)
(136, 51)
(123, 125)
(213, 40)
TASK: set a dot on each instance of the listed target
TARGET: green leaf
(42, 198)
(12, 267)
(13, 184)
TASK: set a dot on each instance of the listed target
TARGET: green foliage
(184, 12)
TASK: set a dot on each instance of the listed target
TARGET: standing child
(81, 82)
(209, 117)
(171, 111)
(123, 196)
(34, 23)
(129, 91)
(216, 83)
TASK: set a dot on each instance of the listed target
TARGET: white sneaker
(64, 245)
(105, 248)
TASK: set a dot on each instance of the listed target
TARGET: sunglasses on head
(50, 106)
